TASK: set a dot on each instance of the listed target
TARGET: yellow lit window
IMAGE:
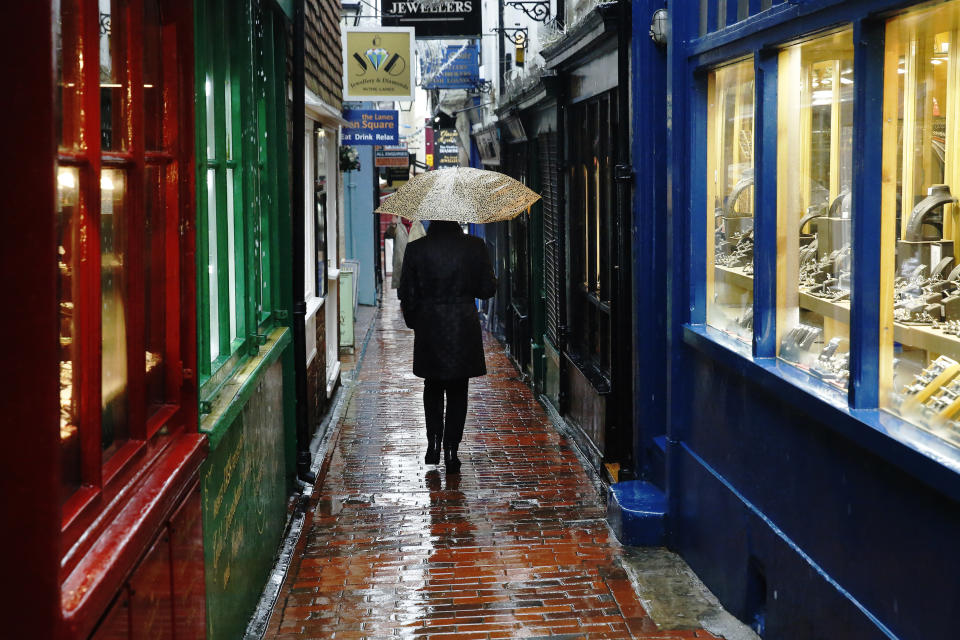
(730, 199)
(920, 316)
(814, 170)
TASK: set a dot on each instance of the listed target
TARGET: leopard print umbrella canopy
(462, 195)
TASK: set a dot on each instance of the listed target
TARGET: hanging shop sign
(434, 19)
(447, 145)
(392, 156)
(378, 63)
(370, 127)
(488, 143)
(397, 176)
(428, 144)
(513, 128)
(458, 68)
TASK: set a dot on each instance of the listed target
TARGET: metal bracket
(254, 342)
(538, 10)
(517, 35)
(281, 314)
(480, 87)
(623, 173)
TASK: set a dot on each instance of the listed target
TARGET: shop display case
(814, 171)
(921, 160)
(730, 199)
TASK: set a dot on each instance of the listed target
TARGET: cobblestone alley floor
(515, 547)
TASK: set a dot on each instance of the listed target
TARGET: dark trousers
(447, 427)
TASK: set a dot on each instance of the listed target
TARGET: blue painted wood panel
(801, 507)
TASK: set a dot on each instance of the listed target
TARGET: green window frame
(241, 181)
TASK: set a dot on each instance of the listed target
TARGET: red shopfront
(99, 470)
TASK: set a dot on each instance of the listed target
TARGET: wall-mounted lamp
(520, 43)
(659, 27)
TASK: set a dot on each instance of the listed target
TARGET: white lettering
(452, 6)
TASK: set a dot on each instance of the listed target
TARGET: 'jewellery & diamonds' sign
(378, 63)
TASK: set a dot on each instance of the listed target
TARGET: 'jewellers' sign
(441, 19)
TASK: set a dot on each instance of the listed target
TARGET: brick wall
(323, 61)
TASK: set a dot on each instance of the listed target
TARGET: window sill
(87, 590)
(904, 445)
(597, 379)
(232, 396)
(313, 305)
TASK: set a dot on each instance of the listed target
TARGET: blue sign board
(463, 72)
(371, 127)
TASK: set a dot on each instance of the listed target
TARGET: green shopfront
(245, 355)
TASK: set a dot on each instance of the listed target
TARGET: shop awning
(320, 110)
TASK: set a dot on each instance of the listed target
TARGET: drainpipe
(297, 251)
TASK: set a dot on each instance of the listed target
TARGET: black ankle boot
(451, 461)
(433, 452)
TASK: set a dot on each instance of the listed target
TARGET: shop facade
(322, 204)
(528, 131)
(244, 286)
(167, 275)
(588, 301)
(812, 351)
(107, 115)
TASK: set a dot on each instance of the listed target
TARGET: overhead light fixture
(659, 26)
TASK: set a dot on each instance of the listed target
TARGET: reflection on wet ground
(516, 546)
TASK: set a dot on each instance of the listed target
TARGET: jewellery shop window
(920, 338)
(814, 169)
(730, 199)
(118, 215)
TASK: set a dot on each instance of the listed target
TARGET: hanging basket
(349, 159)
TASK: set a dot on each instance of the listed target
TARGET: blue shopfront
(812, 449)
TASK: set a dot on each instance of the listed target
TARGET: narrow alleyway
(516, 546)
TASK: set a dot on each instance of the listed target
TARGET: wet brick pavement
(515, 547)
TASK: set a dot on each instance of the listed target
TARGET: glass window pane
(155, 290)
(921, 348)
(113, 284)
(235, 311)
(730, 199)
(68, 179)
(113, 74)
(211, 118)
(213, 302)
(152, 75)
(66, 44)
(324, 144)
(813, 200)
(311, 144)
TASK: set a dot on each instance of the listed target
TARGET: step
(636, 511)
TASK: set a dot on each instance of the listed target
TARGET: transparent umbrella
(461, 194)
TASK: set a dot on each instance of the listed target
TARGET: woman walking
(443, 273)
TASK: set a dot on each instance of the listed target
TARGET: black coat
(443, 273)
